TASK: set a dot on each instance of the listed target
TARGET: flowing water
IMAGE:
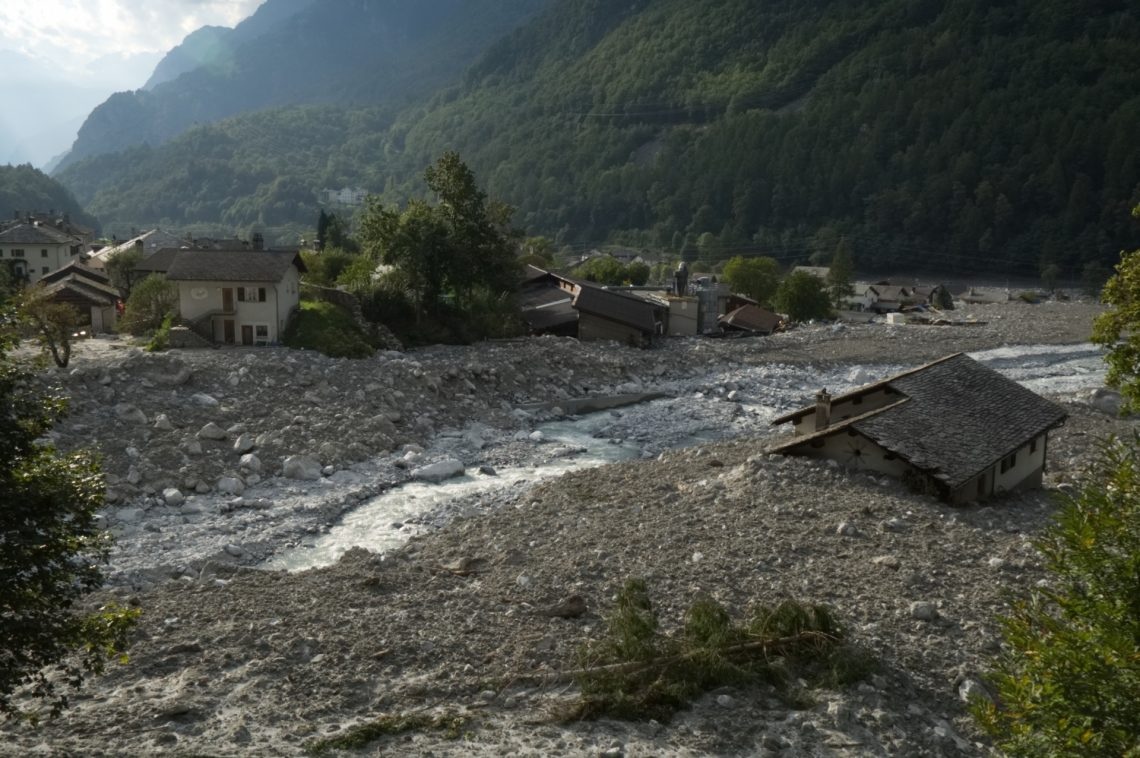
(691, 417)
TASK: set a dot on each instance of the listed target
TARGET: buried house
(952, 428)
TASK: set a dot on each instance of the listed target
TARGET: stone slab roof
(232, 265)
(35, 234)
(751, 318)
(615, 306)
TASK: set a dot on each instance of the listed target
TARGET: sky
(61, 58)
(89, 39)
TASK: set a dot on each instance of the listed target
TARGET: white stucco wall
(34, 259)
(281, 299)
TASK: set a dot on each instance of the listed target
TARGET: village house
(952, 428)
(751, 319)
(32, 248)
(235, 297)
(146, 245)
(88, 290)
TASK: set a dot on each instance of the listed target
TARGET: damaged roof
(960, 418)
(751, 318)
(615, 306)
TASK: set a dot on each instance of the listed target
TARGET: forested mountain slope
(955, 135)
(26, 189)
(300, 52)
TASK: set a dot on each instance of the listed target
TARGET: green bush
(161, 338)
(1069, 682)
(328, 329)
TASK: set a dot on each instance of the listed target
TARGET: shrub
(1069, 683)
(161, 338)
(152, 300)
(327, 328)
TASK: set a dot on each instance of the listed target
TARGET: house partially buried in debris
(89, 290)
(952, 428)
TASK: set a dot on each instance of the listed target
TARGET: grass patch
(363, 735)
(329, 329)
(637, 673)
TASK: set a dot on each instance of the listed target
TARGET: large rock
(162, 423)
(301, 467)
(230, 485)
(245, 443)
(173, 496)
(439, 471)
(130, 414)
(204, 400)
(250, 462)
(212, 431)
(1105, 400)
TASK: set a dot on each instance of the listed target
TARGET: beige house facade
(237, 297)
(34, 249)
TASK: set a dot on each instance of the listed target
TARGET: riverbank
(235, 661)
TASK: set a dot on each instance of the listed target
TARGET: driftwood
(776, 646)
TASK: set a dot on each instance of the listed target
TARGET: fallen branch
(776, 646)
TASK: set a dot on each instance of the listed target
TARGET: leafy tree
(1118, 328)
(50, 550)
(326, 266)
(841, 273)
(1050, 273)
(1069, 684)
(53, 323)
(458, 247)
(120, 267)
(803, 297)
(758, 278)
(151, 301)
(603, 269)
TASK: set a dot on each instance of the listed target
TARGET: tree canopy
(1118, 328)
(51, 550)
(758, 278)
(803, 297)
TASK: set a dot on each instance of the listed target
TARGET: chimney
(822, 410)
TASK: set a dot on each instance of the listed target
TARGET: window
(44, 270)
(1008, 462)
(43, 253)
(261, 334)
(1033, 446)
(251, 294)
(17, 253)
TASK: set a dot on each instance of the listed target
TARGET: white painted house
(952, 428)
(237, 297)
(34, 249)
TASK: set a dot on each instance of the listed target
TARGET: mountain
(294, 52)
(955, 135)
(25, 189)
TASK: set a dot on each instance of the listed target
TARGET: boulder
(129, 414)
(1105, 400)
(251, 462)
(212, 431)
(245, 443)
(301, 467)
(173, 496)
(204, 400)
(439, 471)
(230, 485)
(162, 423)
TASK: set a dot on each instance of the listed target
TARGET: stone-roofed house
(605, 314)
(146, 244)
(87, 289)
(952, 428)
(32, 249)
(237, 296)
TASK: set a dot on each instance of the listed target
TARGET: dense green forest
(953, 135)
(293, 52)
(26, 189)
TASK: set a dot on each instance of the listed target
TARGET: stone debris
(432, 627)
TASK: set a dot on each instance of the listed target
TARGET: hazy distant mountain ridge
(301, 52)
(25, 189)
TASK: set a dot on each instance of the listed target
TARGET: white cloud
(69, 35)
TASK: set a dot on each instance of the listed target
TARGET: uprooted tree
(51, 551)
